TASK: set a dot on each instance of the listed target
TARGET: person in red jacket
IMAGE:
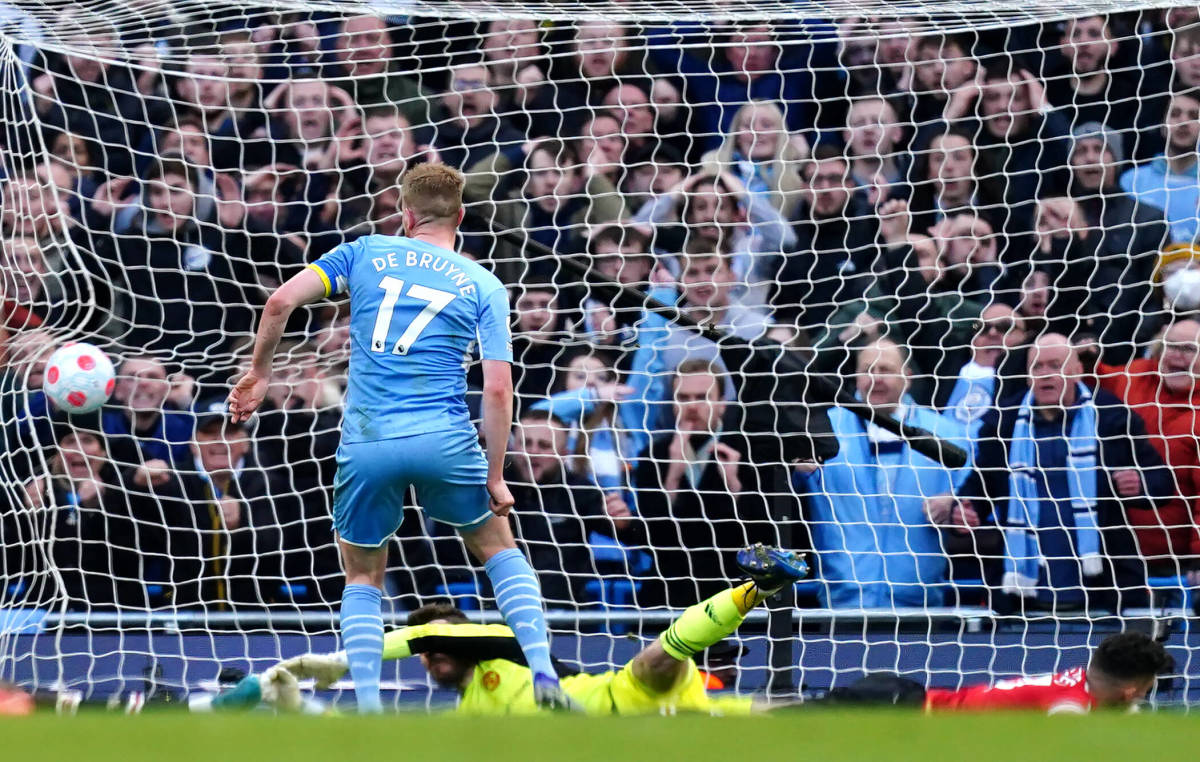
(1164, 392)
(1120, 673)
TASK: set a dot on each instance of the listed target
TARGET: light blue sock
(362, 639)
(519, 598)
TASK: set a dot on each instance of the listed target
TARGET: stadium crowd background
(944, 222)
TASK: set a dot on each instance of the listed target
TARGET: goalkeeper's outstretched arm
(304, 287)
(474, 642)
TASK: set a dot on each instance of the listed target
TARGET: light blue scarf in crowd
(1023, 557)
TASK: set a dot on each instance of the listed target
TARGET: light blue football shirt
(416, 311)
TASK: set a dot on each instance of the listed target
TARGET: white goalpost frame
(51, 637)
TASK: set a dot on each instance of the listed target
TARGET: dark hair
(825, 150)
(171, 163)
(1183, 92)
(1131, 656)
(620, 235)
(564, 152)
(437, 610)
(540, 415)
(385, 111)
(940, 41)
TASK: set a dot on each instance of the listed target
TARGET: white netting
(895, 199)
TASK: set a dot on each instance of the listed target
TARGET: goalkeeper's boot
(548, 693)
(324, 669)
(771, 569)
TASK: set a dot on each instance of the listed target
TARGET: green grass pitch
(814, 736)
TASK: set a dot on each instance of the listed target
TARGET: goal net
(739, 240)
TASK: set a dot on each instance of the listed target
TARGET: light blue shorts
(447, 468)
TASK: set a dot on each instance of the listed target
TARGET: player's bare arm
(497, 426)
(303, 288)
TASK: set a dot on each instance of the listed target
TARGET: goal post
(778, 272)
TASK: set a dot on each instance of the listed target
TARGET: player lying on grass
(1120, 673)
(484, 663)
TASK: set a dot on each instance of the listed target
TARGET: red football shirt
(1062, 692)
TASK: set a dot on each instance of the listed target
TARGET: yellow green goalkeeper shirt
(501, 686)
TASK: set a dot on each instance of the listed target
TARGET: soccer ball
(79, 377)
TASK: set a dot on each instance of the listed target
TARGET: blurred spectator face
(632, 107)
(205, 83)
(59, 176)
(1093, 165)
(385, 210)
(856, 46)
(170, 199)
(872, 128)
(142, 385)
(541, 447)
(1185, 57)
(364, 45)
(72, 150)
(964, 240)
(623, 264)
(941, 66)
(189, 141)
(81, 456)
(1182, 124)
(27, 354)
(264, 199)
(1054, 369)
(25, 266)
(91, 68)
(1087, 44)
(335, 339)
(389, 143)
(657, 179)
(307, 114)
(753, 52)
(603, 142)
(1179, 363)
(597, 46)
(881, 378)
(511, 40)
(549, 183)
(1058, 217)
(535, 313)
(588, 371)
(244, 65)
(892, 47)
(1186, 15)
(296, 384)
(698, 403)
(1035, 294)
(951, 164)
(470, 97)
(220, 447)
(828, 187)
(706, 281)
(711, 215)
(758, 132)
(1004, 105)
(31, 206)
(998, 331)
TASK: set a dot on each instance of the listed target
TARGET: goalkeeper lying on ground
(483, 662)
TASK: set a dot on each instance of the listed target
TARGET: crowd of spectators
(992, 236)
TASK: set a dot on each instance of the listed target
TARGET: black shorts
(878, 689)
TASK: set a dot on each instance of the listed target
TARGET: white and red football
(79, 377)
